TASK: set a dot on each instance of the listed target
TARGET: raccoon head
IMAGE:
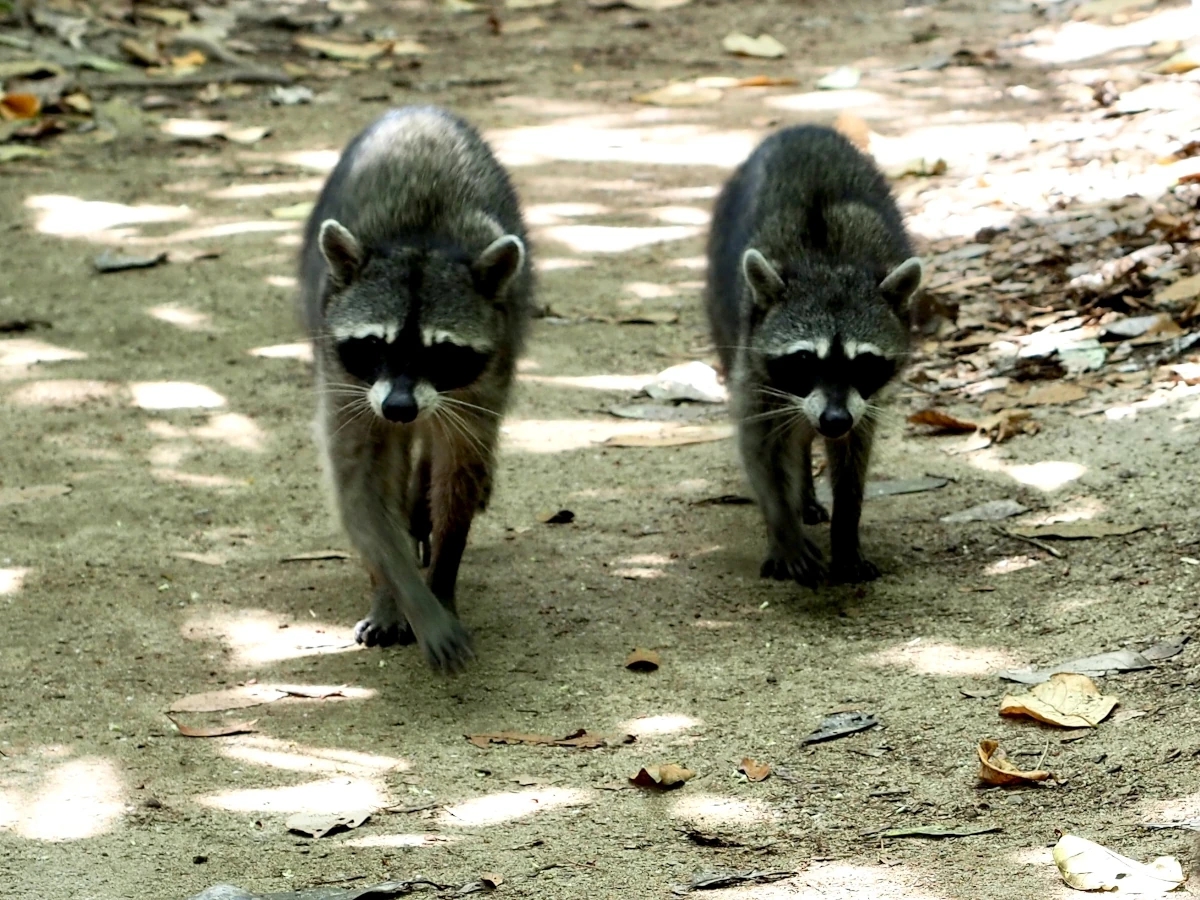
(827, 337)
(413, 322)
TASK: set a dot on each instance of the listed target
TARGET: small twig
(420, 807)
(1045, 753)
(1041, 545)
(231, 76)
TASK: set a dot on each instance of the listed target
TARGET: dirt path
(186, 450)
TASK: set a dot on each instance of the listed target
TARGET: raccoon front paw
(803, 567)
(372, 633)
(853, 571)
(814, 513)
(448, 646)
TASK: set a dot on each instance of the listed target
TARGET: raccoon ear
(765, 283)
(902, 282)
(341, 250)
(500, 262)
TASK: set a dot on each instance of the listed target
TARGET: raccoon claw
(449, 649)
(424, 552)
(370, 633)
(814, 513)
(805, 569)
(855, 571)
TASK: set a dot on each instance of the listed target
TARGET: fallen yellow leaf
(994, 767)
(1087, 866)
(1067, 700)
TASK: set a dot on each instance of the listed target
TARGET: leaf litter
(318, 825)
(839, 725)
(754, 770)
(667, 777)
(995, 768)
(709, 881)
(1087, 866)
(643, 660)
(208, 731)
(1064, 699)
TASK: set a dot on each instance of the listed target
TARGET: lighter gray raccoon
(415, 286)
(810, 278)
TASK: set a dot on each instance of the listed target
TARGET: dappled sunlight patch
(679, 215)
(64, 393)
(560, 435)
(713, 810)
(616, 383)
(648, 290)
(638, 573)
(234, 430)
(404, 840)
(642, 565)
(942, 658)
(1079, 509)
(301, 350)
(553, 213)
(267, 189)
(255, 636)
(195, 479)
(1077, 41)
(27, 351)
(169, 455)
(664, 723)
(507, 806)
(331, 795)
(1159, 398)
(615, 238)
(1178, 809)
(1048, 475)
(1009, 564)
(272, 753)
(222, 229)
(592, 140)
(824, 101)
(182, 317)
(65, 216)
(824, 880)
(560, 264)
(174, 395)
(283, 282)
(12, 579)
(689, 262)
(316, 160)
(73, 800)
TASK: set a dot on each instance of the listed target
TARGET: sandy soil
(191, 476)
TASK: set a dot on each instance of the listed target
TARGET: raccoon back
(415, 173)
(805, 193)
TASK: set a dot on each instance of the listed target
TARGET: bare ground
(105, 625)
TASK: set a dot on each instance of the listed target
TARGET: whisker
(445, 398)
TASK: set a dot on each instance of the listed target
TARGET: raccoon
(810, 277)
(415, 288)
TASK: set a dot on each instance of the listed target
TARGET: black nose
(400, 406)
(835, 421)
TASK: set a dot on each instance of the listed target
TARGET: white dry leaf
(1087, 866)
(681, 93)
(688, 381)
(764, 46)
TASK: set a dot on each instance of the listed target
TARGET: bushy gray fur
(415, 287)
(810, 274)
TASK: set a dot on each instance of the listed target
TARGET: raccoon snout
(400, 405)
(835, 421)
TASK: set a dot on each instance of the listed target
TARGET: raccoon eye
(451, 366)
(795, 373)
(870, 373)
(362, 357)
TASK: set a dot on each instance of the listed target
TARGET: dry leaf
(529, 4)
(672, 437)
(1097, 666)
(1106, 9)
(839, 725)
(230, 698)
(1183, 290)
(1087, 866)
(141, 52)
(175, 18)
(942, 422)
(1066, 700)
(994, 767)
(112, 261)
(1007, 423)
(223, 730)
(1060, 392)
(19, 106)
(1179, 64)
(764, 46)
(662, 778)
(318, 825)
(643, 660)
(754, 770)
(316, 555)
(682, 93)
(491, 880)
(208, 559)
(856, 131)
(523, 25)
(343, 50)
(937, 832)
(562, 517)
(1077, 531)
(190, 61)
